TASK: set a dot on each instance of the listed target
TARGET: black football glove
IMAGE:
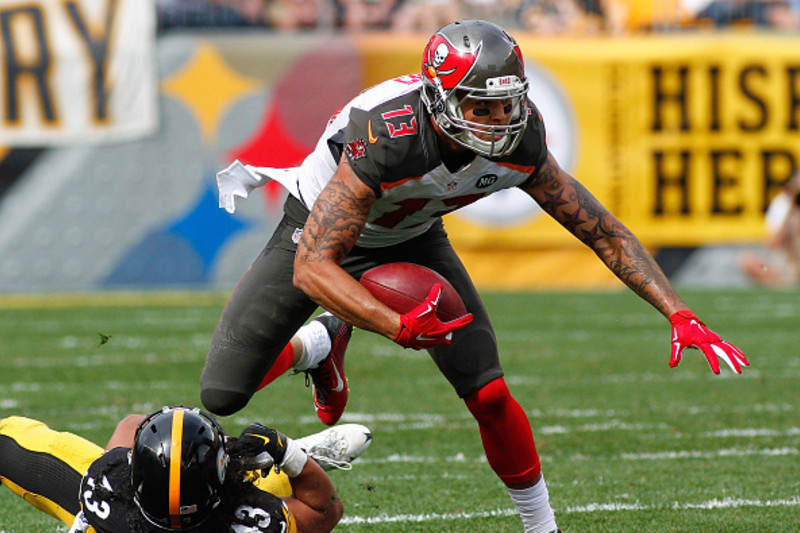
(261, 447)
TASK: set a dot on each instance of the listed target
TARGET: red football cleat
(330, 382)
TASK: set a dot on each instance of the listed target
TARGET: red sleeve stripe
(386, 186)
(526, 169)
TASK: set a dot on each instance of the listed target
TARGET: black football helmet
(178, 465)
(475, 59)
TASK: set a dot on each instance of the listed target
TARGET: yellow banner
(684, 138)
(77, 71)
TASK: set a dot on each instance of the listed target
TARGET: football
(403, 286)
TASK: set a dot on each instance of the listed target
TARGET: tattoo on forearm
(639, 271)
(554, 201)
(334, 224)
(575, 208)
(573, 220)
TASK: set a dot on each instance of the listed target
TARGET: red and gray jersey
(389, 142)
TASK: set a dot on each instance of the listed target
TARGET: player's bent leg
(260, 318)
(222, 391)
(44, 466)
(506, 434)
(331, 389)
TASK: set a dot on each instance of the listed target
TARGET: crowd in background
(545, 17)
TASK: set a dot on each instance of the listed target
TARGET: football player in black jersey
(176, 469)
(388, 166)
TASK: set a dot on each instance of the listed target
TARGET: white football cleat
(336, 447)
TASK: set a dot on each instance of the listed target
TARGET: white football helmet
(475, 59)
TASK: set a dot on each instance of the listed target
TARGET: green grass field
(627, 444)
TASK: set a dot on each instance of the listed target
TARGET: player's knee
(489, 400)
(223, 402)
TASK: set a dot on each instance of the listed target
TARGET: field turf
(627, 444)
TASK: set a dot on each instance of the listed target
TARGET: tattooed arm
(574, 207)
(333, 227)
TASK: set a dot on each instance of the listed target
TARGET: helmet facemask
(490, 140)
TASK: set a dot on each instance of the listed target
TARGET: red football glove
(689, 332)
(421, 328)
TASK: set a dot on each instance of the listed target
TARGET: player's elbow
(336, 511)
(324, 519)
(302, 277)
(332, 514)
(311, 277)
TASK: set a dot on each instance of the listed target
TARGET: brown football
(403, 286)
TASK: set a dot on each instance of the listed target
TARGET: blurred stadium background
(682, 116)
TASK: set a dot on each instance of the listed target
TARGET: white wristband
(295, 459)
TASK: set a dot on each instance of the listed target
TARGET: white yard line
(658, 456)
(709, 454)
(609, 507)
(726, 503)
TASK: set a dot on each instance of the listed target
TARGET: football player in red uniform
(388, 166)
(176, 469)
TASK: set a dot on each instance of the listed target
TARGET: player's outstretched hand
(262, 446)
(689, 332)
(421, 328)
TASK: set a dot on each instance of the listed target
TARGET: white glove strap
(295, 459)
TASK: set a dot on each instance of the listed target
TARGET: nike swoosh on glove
(421, 328)
(260, 447)
(689, 332)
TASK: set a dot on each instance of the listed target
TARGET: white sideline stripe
(754, 432)
(611, 425)
(681, 454)
(724, 503)
(33, 387)
(93, 360)
(372, 418)
(694, 454)
(427, 517)
(738, 502)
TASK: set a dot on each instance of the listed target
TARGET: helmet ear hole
(178, 440)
